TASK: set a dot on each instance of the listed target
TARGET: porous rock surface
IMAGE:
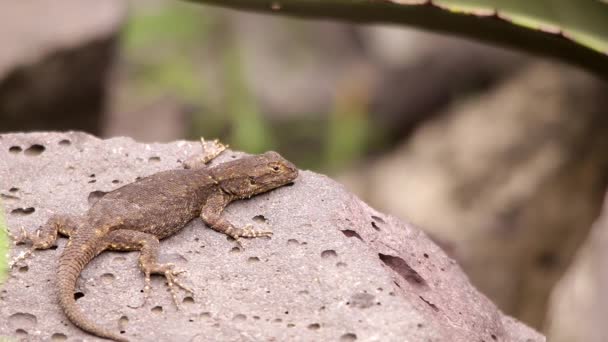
(334, 270)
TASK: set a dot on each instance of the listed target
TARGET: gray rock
(55, 61)
(508, 184)
(579, 303)
(334, 270)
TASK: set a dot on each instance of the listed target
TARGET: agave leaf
(575, 31)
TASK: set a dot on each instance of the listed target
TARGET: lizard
(136, 216)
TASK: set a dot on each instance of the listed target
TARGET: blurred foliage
(167, 51)
(3, 245)
(178, 35)
(249, 128)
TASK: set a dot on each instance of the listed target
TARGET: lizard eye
(275, 168)
(252, 181)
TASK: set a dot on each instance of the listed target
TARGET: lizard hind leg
(148, 245)
(46, 236)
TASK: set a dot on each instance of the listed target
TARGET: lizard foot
(37, 241)
(247, 232)
(170, 273)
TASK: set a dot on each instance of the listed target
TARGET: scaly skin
(137, 215)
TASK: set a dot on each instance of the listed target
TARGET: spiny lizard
(136, 216)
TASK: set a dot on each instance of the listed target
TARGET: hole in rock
(314, 326)
(58, 337)
(493, 337)
(260, 219)
(65, 142)
(20, 333)
(362, 300)
(107, 278)
(154, 159)
(23, 269)
(375, 226)
(23, 211)
(378, 219)
(119, 259)
(330, 253)
(115, 181)
(399, 265)
(351, 233)
(22, 319)
(235, 250)
(341, 264)
(292, 242)
(253, 259)
(78, 295)
(13, 189)
(239, 317)
(290, 325)
(205, 315)
(34, 150)
(348, 337)
(157, 309)
(15, 149)
(188, 300)
(122, 324)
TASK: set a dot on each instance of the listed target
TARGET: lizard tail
(76, 255)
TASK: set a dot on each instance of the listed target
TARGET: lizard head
(253, 175)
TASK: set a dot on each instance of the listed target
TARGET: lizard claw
(22, 256)
(211, 150)
(247, 232)
(250, 232)
(171, 274)
(24, 237)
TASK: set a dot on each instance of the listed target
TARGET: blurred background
(500, 157)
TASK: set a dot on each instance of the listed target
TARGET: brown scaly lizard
(136, 216)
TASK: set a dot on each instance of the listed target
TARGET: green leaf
(574, 31)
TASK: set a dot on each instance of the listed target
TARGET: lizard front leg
(211, 214)
(148, 245)
(46, 236)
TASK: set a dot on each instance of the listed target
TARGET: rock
(335, 269)
(579, 304)
(55, 61)
(509, 183)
